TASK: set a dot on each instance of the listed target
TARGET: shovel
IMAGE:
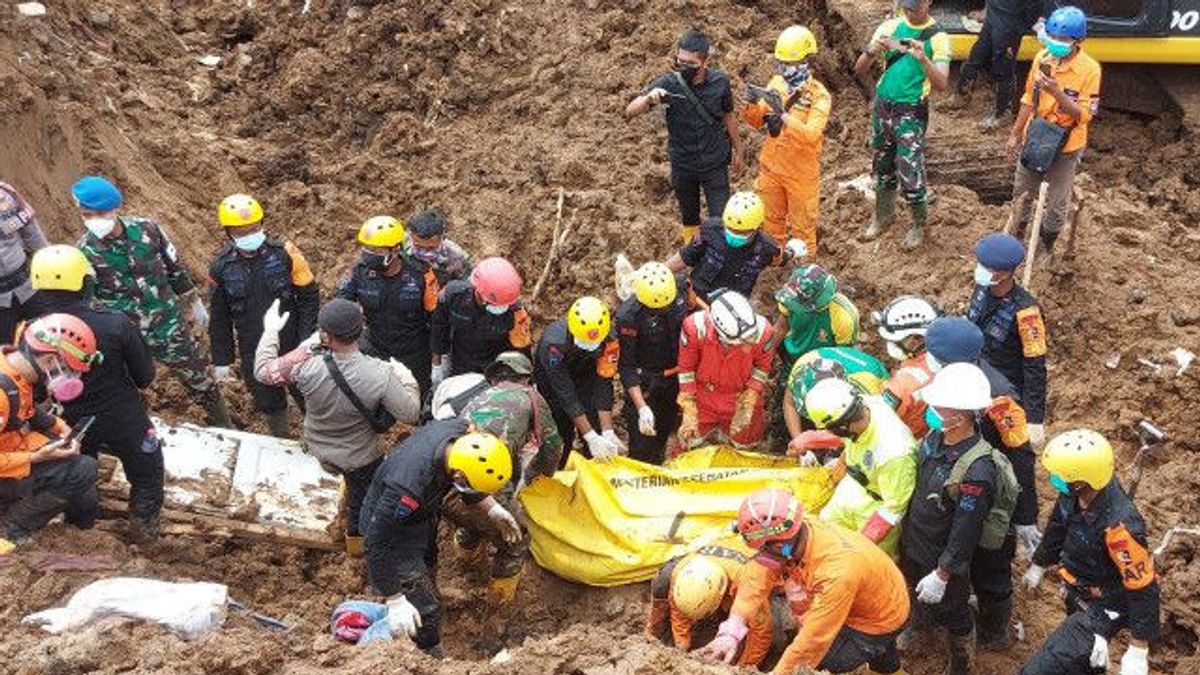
(273, 624)
(1152, 439)
(1035, 233)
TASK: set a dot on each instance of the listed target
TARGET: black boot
(277, 423)
(962, 654)
(994, 626)
(216, 413)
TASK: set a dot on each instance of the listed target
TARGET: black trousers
(660, 393)
(851, 649)
(996, 50)
(401, 558)
(140, 454)
(688, 184)
(991, 578)
(953, 613)
(61, 486)
(566, 428)
(1068, 649)
(16, 313)
(357, 482)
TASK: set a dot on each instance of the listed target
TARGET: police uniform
(399, 522)
(244, 286)
(397, 310)
(573, 380)
(715, 264)
(649, 350)
(1014, 331)
(1108, 574)
(472, 336)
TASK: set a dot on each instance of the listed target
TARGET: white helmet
(906, 316)
(733, 315)
(959, 386)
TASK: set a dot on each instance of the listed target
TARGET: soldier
(250, 273)
(20, 237)
(427, 242)
(138, 273)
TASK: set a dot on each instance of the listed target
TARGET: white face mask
(895, 351)
(100, 227)
(588, 346)
(983, 276)
(496, 309)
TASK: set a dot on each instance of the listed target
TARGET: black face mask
(687, 70)
(376, 261)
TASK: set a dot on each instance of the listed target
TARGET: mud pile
(486, 109)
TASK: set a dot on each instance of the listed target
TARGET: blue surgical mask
(736, 240)
(933, 419)
(250, 242)
(983, 276)
(1059, 50)
(588, 346)
(496, 309)
(1060, 484)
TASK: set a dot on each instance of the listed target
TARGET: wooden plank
(204, 525)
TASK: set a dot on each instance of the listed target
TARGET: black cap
(428, 223)
(342, 319)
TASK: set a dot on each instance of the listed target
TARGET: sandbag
(607, 524)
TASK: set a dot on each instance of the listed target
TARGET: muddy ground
(486, 109)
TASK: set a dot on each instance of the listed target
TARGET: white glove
(1028, 536)
(808, 459)
(1136, 661)
(222, 374)
(931, 589)
(796, 249)
(505, 522)
(1033, 577)
(273, 321)
(1037, 434)
(1099, 657)
(199, 313)
(610, 435)
(646, 421)
(440, 371)
(402, 617)
(599, 447)
(312, 341)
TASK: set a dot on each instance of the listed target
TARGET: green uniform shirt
(837, 324)
(905, 80)
(863, 370)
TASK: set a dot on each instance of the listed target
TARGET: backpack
(996, 523)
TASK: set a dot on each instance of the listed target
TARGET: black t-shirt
(693, 143)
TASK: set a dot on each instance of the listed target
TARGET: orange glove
(689, 423)
(744, 413)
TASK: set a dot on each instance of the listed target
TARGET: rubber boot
(916, 230)
(994, 626)
(502, 590)
(471, 545)
(995, 121)
(354, 545)
(688, 233)
(660, 615)
(277, 423)
(144, 531)
(885, 213)
(962, 654)
(216, 414)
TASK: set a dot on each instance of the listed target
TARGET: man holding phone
(916, 57)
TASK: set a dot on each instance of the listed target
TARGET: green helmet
(808, 374)
(810, 287)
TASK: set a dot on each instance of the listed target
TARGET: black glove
(774, 123)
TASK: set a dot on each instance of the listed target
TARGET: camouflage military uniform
(448, 261)
(139, 273)
(519, 416)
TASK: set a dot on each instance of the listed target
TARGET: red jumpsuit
(717, 374)
(900, 393)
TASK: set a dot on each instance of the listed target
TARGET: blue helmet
(1069, 21)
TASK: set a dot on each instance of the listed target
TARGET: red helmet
(496, 281)
(773, 514)
(65, 335)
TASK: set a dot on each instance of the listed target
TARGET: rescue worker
(789, 173)
(1098, 538)
(960, 511)
(249, 274)
(848, 597)
(138, 272)
(1014, 330)
(702, 135)
(812, 314)
(511, 409)
(346, 393)
(20, 236)
(1063, 88)
(477, 319)
(428, 243)
(574, 367)
(725, 354)
(731, 252)
(951, 340)
(916, 55)
(402, 510)
(397, 293)
(112, 387)
(860, 369)
(42, 473)
(700, 587)
(648, 328)
(902, 325)
(1005, 23)
(878, 452)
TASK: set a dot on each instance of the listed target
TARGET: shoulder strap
(965, 461)
(458, 402)
(373, 418)
(695, 100)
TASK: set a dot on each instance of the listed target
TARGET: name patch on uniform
(1033, 332)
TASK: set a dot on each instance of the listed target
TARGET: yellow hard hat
(744, 212)
(588, 319)
(654, 285)
(698, 587)
(484, 460)
(59, 268)
(382, 231)
(1080, 455)
(831, 402)
(795, 43)
(239, 211)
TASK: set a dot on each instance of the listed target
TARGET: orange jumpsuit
(735, 564)
(848, 581)
(789, 174)
(17, 441)
(900, 392)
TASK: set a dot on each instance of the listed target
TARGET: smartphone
(79, 430)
